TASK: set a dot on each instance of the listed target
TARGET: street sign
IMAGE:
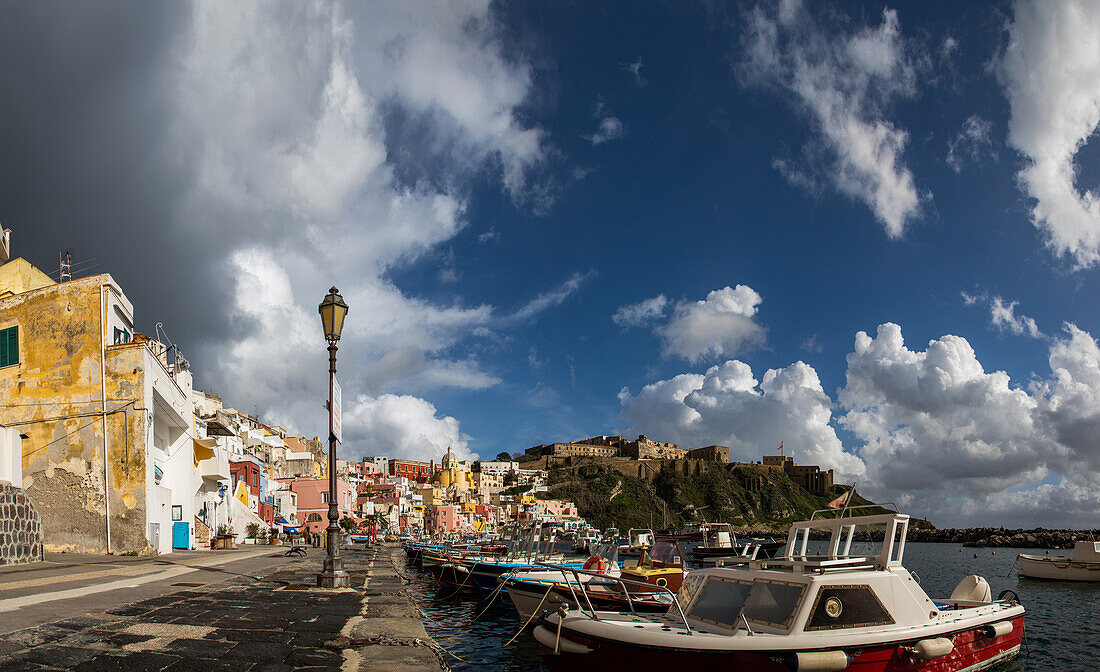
(336, 410)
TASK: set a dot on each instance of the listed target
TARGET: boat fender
(817, 661)
(937, 647)
(546, 637)
(998, 629)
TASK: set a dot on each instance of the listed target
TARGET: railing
(846, 513)
(617, 580)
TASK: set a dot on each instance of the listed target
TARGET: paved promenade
(250, 611)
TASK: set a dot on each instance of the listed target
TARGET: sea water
(1062, 625)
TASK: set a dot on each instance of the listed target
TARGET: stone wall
(20, 528)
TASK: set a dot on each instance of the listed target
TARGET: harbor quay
(256, 611)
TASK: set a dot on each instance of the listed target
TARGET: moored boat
(833, 611)
(1083, 565)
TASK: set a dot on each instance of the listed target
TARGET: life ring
(595, 563)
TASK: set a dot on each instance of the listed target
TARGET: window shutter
(9, 346)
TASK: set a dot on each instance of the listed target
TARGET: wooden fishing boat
(1083, 565)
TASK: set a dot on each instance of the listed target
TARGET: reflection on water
(1062, 622)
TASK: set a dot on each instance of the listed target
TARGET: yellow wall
(19, 275)
(53, 396)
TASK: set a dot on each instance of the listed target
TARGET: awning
(204, 449)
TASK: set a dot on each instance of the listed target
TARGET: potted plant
(252, 532)
(273, 536)
(224, 538)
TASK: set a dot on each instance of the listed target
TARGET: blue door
(181, 537)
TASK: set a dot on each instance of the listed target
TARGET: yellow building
(454, 477)
(105, 419)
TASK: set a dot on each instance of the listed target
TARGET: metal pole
(332, 574)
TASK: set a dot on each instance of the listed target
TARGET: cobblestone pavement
(248, 625)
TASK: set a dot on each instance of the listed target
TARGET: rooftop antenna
(66, 258)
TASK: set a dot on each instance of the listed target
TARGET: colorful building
(108, 458)
(421, 472)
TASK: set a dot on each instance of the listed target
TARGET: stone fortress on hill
(644, 457)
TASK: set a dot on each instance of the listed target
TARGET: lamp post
(332, 310)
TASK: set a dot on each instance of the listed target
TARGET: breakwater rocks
(999, 537)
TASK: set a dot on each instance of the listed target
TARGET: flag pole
(848, 499)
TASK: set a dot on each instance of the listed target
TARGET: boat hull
(1058, 569)
(971, 653)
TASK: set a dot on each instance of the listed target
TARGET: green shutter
(9, 346)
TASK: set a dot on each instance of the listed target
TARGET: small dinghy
(1083, 565)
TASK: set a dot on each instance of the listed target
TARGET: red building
(421, 472)
(249, 472)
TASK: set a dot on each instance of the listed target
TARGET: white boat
(801, 611)
(1083, 565)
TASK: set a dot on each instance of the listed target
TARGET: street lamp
(332, 310)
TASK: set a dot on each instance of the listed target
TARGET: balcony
(211, 460)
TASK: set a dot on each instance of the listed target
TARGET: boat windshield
(662, 551)
(724, 602)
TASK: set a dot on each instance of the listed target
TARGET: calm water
(1062, 622)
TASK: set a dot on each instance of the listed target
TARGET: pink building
(313, 500)
(442, 519)
(557, 508)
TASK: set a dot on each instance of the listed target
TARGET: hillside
(746, 497)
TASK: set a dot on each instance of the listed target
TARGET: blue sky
(566, 219)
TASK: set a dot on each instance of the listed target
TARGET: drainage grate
(189, 585)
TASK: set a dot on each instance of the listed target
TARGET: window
(720, 601)
(773, 603)
(324, 498)
(9, 346)
(121, 336)
(847, 607)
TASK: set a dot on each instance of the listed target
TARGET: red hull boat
(826, 612)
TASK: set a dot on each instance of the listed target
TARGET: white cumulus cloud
(728, 406)
(1051, 75)
(405, 426)
(721, 325)
(934, 422)
(929, 429)
(844, 81)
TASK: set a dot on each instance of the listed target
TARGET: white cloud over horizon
(1050, 70)
(728, 406)
(931, 430)
(844, 81)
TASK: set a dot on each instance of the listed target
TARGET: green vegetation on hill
(746, 497)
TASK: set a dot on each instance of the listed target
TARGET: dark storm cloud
(89, 161)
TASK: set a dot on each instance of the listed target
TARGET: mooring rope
(532, 616)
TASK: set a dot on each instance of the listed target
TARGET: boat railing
(849, 512)
(889, 528)
(622, 584)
